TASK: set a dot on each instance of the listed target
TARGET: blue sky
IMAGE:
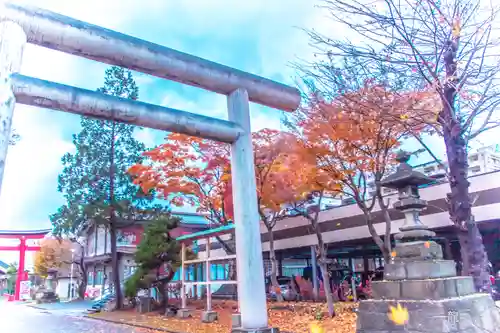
(257, 36)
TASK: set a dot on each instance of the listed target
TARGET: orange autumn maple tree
(53, 254)
(189, 171)
(278, 185)
(352, 139)
(193, 171)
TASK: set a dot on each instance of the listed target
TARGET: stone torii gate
(21, 24)
(25, 241)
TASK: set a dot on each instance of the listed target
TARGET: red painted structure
(22, 247)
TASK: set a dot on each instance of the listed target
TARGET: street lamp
(71, 275)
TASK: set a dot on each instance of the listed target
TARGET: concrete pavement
(75, 308)
(19, 318)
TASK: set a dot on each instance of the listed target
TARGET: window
(129, 270)
(474, 158)
(99, 278)
(90, 278)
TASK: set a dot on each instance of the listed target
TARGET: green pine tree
(94, 181)
(158, 257)
(11, 273)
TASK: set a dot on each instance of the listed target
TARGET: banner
(93, 292)
(24, 291)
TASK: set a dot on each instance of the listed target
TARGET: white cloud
(147, 136)
(30, 164)
(33, 164)
(216, 109)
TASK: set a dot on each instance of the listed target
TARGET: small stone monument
(49, 296)
(419, 281)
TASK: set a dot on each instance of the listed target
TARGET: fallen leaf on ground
(294, 317)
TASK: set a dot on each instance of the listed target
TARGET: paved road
(76, 308)
(18, 318)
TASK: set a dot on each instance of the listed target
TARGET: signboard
(128, 237)
(24, 290)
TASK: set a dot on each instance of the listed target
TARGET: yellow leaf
(398, 315)
(456, 28)
(316, 328)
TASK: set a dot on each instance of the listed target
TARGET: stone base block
(184, 313)
(423, 289)
(413, 234)
(257, 330)
(474, 313)
(209, 316)
(419, 250)
(419, 270)
(236, 320)
(171, 311)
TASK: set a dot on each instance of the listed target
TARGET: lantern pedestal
(420, 289)
(49, 296)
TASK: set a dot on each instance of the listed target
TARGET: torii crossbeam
(20, 24)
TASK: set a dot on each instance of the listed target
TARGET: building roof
(3, 267)
(191, 218)
(225, 229)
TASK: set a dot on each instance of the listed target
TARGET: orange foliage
(277, 172)
(194, 171)
(188, 170)
(53, 254)
(358, 132)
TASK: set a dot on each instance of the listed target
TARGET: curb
(132, 324)
(35, 307)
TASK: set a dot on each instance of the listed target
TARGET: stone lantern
(413, 238)
(49, 295)
(417, 281)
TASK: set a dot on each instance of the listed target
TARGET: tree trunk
(322, 254)
(82, 287)
(459, 200)
(324, 269)
(112, 222)
(164, 293)
(460, 209)
(326, 284)
(382, 245)
(463, 239)
(164, 288)
(272, 257)
(387, 218)
(114, 264)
